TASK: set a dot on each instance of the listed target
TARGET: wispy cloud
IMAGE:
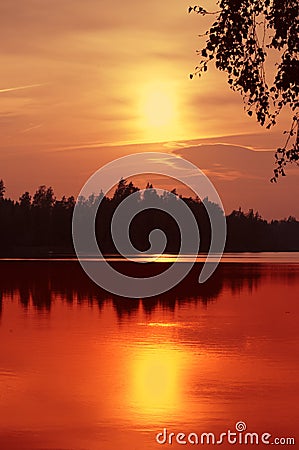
(19, 88)
(32, 127)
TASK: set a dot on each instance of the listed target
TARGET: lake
(82, 369)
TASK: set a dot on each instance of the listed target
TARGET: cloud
(97, 58)
(20, 88)
(242, 178)
(228, 157)
(53, 18)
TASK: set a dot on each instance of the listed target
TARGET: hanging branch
(238, 42)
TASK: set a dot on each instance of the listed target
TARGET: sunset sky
(85, 81)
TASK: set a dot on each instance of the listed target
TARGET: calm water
(83, 370)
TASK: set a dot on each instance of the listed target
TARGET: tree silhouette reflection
(39, 283)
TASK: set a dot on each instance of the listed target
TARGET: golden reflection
(167, 258)
(156, 381)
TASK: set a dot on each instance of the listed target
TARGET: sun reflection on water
(156, 375)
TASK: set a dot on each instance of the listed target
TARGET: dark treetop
(42, 225)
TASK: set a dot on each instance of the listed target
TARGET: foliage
(124, 189)
(244, 40)
(43, 226)
(25, 200)
(43, 197)
(2, 189)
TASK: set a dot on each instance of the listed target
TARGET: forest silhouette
(41, 226)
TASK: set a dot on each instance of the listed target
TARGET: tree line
(41, 225)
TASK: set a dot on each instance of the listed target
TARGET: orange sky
(81, 78)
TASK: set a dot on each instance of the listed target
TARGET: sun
(158, 110)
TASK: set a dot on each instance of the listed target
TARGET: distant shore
(41, 253)
(42, 226)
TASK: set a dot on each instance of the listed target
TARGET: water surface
(83, 369)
